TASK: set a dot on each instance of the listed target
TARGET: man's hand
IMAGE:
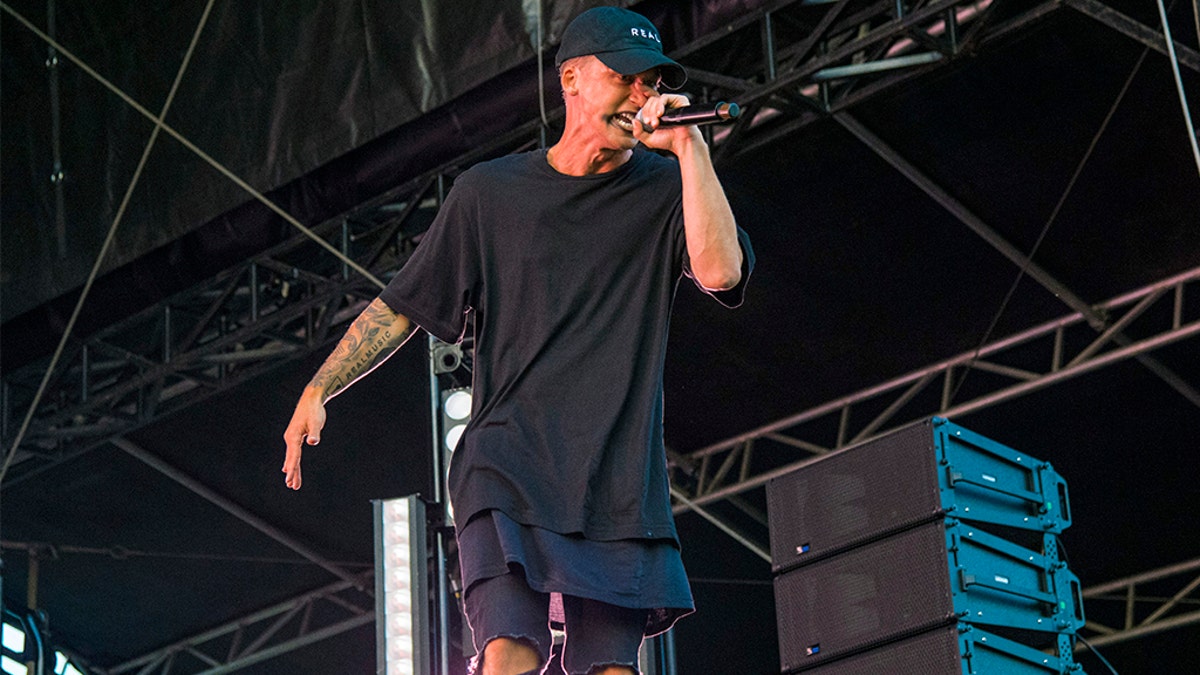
(305, 427)
(646, 129)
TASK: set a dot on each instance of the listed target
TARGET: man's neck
(574, 156)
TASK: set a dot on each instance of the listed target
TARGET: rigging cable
(987, 335)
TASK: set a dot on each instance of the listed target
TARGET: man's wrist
(315, 392)
(692, 143)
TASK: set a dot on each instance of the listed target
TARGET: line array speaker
(880, 557)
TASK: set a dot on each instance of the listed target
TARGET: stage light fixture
(13, 639)
(12, 667)
(402, 612)
(456, 412)
(458, 404)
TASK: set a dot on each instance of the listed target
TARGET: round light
(458, 405)
(454, 434)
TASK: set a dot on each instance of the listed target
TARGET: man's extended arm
(712, 244)
(371, 339)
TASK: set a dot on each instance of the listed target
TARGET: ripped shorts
(598, 634)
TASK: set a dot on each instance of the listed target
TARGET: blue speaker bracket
(986, 481)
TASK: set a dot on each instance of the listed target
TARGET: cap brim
(632, 61)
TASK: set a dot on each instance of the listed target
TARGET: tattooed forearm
(369, 341)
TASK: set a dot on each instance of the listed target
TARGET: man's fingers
(291, 465)
(304, 429)
(293, 477)
(294, 439)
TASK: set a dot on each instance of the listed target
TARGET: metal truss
(257, 637)
(1147, 36)
(1142, 605)
(816, 58)
(723, 470)
(279, 306)
(282, 304)
(1003, 370)
(820, 57)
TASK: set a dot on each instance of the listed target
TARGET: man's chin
(626, 136)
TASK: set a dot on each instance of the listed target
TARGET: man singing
(569, 259)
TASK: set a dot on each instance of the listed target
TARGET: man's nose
(643, 91)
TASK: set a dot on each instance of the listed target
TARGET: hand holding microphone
(700, 113)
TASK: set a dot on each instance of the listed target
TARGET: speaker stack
(930, 550)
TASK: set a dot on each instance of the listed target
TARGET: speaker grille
(933, 653)
(853, 497)
(867, 596)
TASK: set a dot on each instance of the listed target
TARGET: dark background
(862, 277)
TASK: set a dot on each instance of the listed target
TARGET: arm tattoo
(368, 342)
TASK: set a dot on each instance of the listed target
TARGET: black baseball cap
(623, 40)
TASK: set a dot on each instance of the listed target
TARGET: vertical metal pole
(6, 406)
(166, 350)
(85, 358)
(768, 40)
(1177, 309)
(668, 639)
(952, 29)
(540, 47)
(56, 173)
(33, 663)
(345, 248)
(823, 85)
(31, 585)
(223, 328)
(657, 655)
(254, 292)
(435, 426)
(441, 581)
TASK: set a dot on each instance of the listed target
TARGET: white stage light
(13, 638)
(456, 412)
(12, 666)
(402, 609)
(458, 404)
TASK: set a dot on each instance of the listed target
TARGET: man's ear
(569, 77)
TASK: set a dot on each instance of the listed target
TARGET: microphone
(700, 113)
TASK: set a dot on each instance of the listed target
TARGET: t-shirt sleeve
(730, 297)
(439, 283)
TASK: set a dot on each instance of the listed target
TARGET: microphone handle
(701, 113)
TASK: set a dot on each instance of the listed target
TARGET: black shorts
(598, 634)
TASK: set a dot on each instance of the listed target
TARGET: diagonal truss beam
(964, 214)
(1023, 261)
(1156, 311)
(230, 507)
(1137, 606)
(1135, 30)
(300, 621)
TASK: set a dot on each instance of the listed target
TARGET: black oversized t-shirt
(571, 279)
